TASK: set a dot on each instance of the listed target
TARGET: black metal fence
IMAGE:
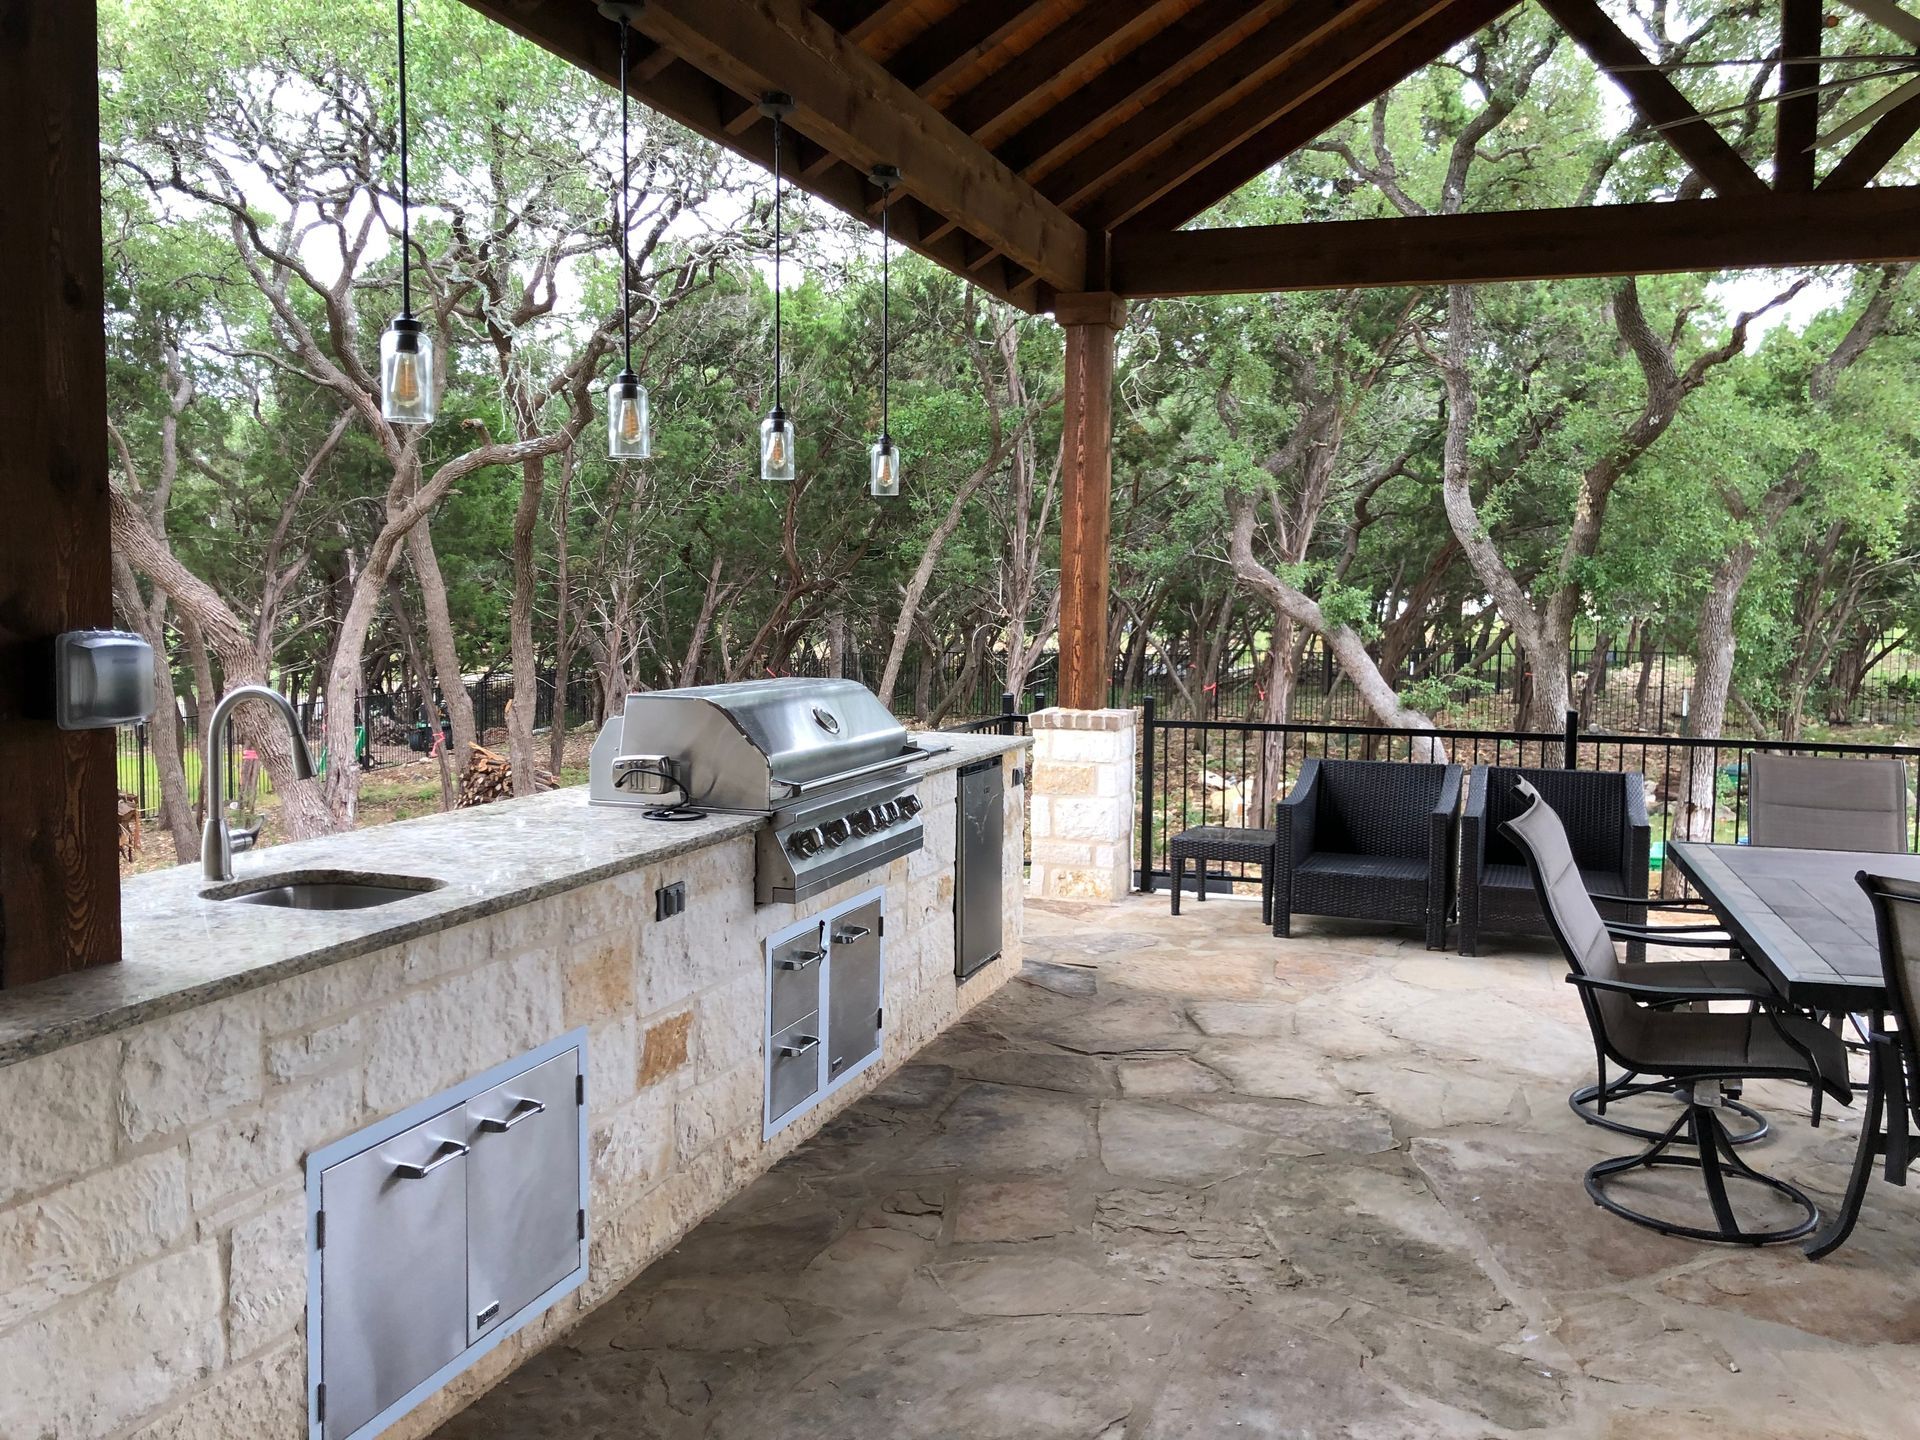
(1009, 721)
(1208, 772)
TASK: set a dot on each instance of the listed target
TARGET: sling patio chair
(1893, 1077)
(1605, 815)
(1808, 802)
(1370, 840)
(1637, 1022)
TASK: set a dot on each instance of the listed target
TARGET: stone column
(1082, 789)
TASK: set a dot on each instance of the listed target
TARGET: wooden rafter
(1302, 123)
(1748, 231)
(1797, 118)
(1872, 151)
(1088, 40)
(1246, 73)
(1325, 57)
(1656, 97)
(930, 63)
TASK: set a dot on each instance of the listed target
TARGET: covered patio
(1175, 1180)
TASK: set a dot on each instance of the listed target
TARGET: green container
(1657, 855)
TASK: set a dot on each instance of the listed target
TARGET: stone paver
(1186, 1180)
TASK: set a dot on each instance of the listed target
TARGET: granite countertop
(179, 949)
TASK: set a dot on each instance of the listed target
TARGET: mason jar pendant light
(883, 461)
(629, 424)
(776, 431)
(407, 390)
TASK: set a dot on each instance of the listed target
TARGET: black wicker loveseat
(1368, 839)
(1605, 815)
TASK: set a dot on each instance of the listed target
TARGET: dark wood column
(1091, 321)
(59, 870)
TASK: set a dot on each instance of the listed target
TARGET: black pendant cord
(406, 191)
(776, 262)
(623, 208)
(886, 317)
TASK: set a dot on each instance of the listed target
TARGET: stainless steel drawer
(523, 1191)
(394, 1306)
(793, 1065)
(853, 1012)
(797, 966)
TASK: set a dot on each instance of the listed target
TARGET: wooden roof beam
(1090, 38)
(1209, 30)
(1870, 154)
(1411, 52)
(935, 58)
(849, 103)
(1655, 97)
(1744, 232)
(1797, 120)
(1246, 73)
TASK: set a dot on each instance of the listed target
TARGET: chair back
(1572, 917)
(1593, 810)
(1377, 807)
(1896, 912)
(1812, 803)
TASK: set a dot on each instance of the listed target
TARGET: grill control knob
(863, 821)
(805, 842)
(909, 806)
(835, 833)
(888, 812)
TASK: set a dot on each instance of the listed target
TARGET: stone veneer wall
(1083, 802)
(152, 1208)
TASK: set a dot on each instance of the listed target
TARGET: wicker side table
(1225, 843)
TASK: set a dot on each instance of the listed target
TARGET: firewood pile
(129, 816)
(489, 777)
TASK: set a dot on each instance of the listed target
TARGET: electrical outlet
(669, 900)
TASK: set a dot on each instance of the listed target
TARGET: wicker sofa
(1605, 815)
(1368, 839)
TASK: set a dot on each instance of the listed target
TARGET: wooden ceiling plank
(1744, 232)
(849, 103)
(1089, 38)
(1246, 67)
(1656, 97)
(695, 100)
(1197, 37)
(857, 19)
(1797, 120)
(1872, 151)
(946, 49)
(1297, 126)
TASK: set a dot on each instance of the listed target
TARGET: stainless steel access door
(523, 1191)
(978, 859)
(854, 993)
(394, 1307)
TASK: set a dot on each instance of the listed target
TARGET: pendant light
(406, 349)
(776, 431)
(629, 424)
(883, 461)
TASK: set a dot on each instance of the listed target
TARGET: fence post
(1009, 707)
(1570, 753)
(140, 750)
(1147, 709)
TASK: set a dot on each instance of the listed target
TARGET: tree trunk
(563, 612)
(440, 642)
(163, 728)
(526, 666)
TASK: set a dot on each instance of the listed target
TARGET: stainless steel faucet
(216, 845)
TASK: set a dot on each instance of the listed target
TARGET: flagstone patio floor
(1183, 1179)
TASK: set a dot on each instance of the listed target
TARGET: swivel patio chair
(1635, 1021)
(1370, 840)
(1810, 803)
(1893, 1079)
(1605, 815)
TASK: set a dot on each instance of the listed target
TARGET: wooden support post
(59, 864)
(1092, 321)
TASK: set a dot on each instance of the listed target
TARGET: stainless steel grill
(823, 760)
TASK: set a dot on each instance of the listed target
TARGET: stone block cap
(1058, 718)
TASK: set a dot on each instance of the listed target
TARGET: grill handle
(834, 781)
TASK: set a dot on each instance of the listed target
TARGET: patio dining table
(1802, 920)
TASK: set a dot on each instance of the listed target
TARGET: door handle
(851, 934)
(807, 1043)
(449, 1151)
(487, 1314)
(522, 1110)
(801, 959)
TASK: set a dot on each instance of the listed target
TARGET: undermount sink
(322, 891)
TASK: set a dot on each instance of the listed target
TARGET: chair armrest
(1637, 839)
(1664, 994)
(1473, 824)
(1294, 816)
(1652, 902)
(1449, 800)
(1665, 935)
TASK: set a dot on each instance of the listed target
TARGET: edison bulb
(629, 427)
(883, 469)
(406, 373)
(777, 442)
